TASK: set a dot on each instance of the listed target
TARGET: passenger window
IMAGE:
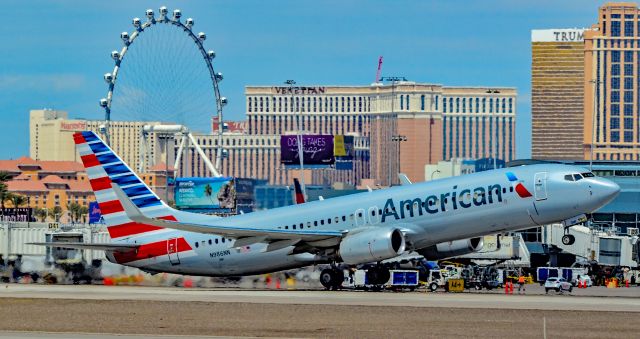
(210, 242)
(216, 241)
(329, 220)
(315, 223)
(504, 190)
(196, 244)
(322, 222)
(308, 224)
(294, 227)
(568, 177)
(286, 227)
(373, 212)
(511, 189)
(337, 220)
(223, 240)
(301, 225)
(344, 218)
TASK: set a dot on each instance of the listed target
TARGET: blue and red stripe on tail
(104, 167)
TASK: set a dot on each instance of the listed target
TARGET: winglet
(404, 180)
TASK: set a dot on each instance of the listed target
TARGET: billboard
(344, 151)
(317, 150)
(211, 194)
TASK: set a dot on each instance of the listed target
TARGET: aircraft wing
(87, 246)
(257, 234)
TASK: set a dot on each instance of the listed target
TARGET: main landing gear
(332, 278)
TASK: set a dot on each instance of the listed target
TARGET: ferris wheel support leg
(176, 165)
(143, 153)
(206, 160)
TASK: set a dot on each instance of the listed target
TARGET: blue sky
(55, 52)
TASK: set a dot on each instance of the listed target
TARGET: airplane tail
(104, 167)
(298, 192)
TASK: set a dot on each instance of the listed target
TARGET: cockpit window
(568, 177)
(577, 177)
(588, 175)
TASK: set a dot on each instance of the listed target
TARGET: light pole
(593, 123)
(493, 148)
(394, 80)
(399, 139)
(298, 140)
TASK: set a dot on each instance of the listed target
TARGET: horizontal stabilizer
(87, 246)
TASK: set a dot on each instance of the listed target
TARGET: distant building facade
(47, 184)
(612, 66)
(557, 94)
(407, 124)
(51, 138)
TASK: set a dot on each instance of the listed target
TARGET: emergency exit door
(172, 251)
(541, 186)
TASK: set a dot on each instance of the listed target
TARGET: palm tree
(17, 200)
(56, 212)
(40, 213)
(74, 211)
(4, 191)
(83, 212)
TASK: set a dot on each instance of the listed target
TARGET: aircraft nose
(605, 190)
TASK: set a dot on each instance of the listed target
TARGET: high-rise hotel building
(557, 94)
(408, 125)
(612, 66)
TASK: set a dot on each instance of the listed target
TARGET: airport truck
(398, 280)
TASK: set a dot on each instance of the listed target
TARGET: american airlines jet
(440, 218)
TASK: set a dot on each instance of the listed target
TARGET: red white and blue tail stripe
(104, 167)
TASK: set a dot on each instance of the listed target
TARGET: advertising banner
(317, 150)
(211, 194)
(21, 214)
(344, 151)
(94, 213)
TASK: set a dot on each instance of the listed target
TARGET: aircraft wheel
(327, 278)
(338, 278)
(568, 239)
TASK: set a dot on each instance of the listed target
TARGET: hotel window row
(477, 105)
(308, 104)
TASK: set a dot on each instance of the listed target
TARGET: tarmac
(48, 311)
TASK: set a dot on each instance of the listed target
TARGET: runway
(79, 311)
(566, 302)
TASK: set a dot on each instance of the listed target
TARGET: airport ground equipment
(557, 284)
(398, 279)
(568, 273)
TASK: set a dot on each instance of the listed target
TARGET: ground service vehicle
(557, 284)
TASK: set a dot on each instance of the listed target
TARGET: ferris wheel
(163, 73)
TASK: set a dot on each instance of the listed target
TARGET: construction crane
(379, 69)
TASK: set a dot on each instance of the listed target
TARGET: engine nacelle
(452, 249)
(372, 245)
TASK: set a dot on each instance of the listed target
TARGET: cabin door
(541, 186)
(172, 251)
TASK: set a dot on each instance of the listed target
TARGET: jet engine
(452, 249)
(370, 245)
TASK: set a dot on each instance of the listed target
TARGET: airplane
(444, 217)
